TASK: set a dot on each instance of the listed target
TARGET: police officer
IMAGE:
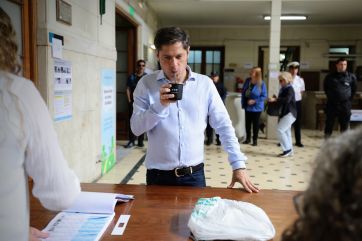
(131, 86)
(340, 88)
(299, 87)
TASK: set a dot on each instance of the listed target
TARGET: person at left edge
(29, 147)
(175, 129)
(131, 86)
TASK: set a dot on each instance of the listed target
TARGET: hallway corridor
(264, 167)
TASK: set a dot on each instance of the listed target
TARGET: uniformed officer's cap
(293, 64)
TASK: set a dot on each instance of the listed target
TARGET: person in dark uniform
(222, 92)
(131, 86)
(340, 87)
(299, 87)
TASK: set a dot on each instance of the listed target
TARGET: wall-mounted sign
(108, 119)
(64, 12)
(62, 90)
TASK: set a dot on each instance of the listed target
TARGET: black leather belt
(180, 171)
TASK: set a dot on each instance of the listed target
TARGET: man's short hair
(171, 35)
(340, 60)
(214, 73)
(140, 61)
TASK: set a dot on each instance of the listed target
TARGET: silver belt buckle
(177, 175)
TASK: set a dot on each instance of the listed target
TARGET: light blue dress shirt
(176, 132)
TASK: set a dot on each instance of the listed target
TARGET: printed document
(87, 219)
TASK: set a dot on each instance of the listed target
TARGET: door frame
(122, 118)
(29, 33)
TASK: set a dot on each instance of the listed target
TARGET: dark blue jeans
(156, 177)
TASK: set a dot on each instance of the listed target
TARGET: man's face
(215, 78)
(293, 70)
(341, 66)
(140, 68)
(173, 60)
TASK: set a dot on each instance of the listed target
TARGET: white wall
(242, 46)
(242, 43)
(90, 47)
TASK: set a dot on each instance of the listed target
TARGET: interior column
(274, 53)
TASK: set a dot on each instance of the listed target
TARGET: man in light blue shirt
(175, 129)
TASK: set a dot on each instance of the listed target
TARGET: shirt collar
(191, 75)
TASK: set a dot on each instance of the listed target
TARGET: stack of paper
(86, 219)
(97, 202)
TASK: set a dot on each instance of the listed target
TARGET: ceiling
(243, 12)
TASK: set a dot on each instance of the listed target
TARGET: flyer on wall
(108, 119)
(62, 90)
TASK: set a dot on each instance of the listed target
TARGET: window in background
(205, 60)
(194, 60)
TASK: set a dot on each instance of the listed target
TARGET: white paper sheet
(121, 225)
(97, 202)
(57, 48)
(77, 226)
(62, 90)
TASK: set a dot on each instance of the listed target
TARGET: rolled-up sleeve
(146, 115)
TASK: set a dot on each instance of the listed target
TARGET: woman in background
(288, 113)
(252, 100)
(28, 147)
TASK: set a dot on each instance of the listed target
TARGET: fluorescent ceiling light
(288, 17)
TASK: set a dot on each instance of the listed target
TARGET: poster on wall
(108, 120)
(62, 90)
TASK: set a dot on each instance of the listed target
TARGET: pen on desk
(125, 198)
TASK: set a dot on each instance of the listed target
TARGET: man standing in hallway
(175, 129)
(299, 88)
(340, 87)
(131, 86)
(222, 92)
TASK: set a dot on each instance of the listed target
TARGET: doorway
(23, 18)
(287, 54)
(126, 46)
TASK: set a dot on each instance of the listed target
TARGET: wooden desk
(162, 213)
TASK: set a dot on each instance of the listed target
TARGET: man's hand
(241, 176)
(36, 235)
(165, 95)
(272, 99)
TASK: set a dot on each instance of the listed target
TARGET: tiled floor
(264, 167)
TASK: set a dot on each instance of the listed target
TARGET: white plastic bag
(216, 218)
